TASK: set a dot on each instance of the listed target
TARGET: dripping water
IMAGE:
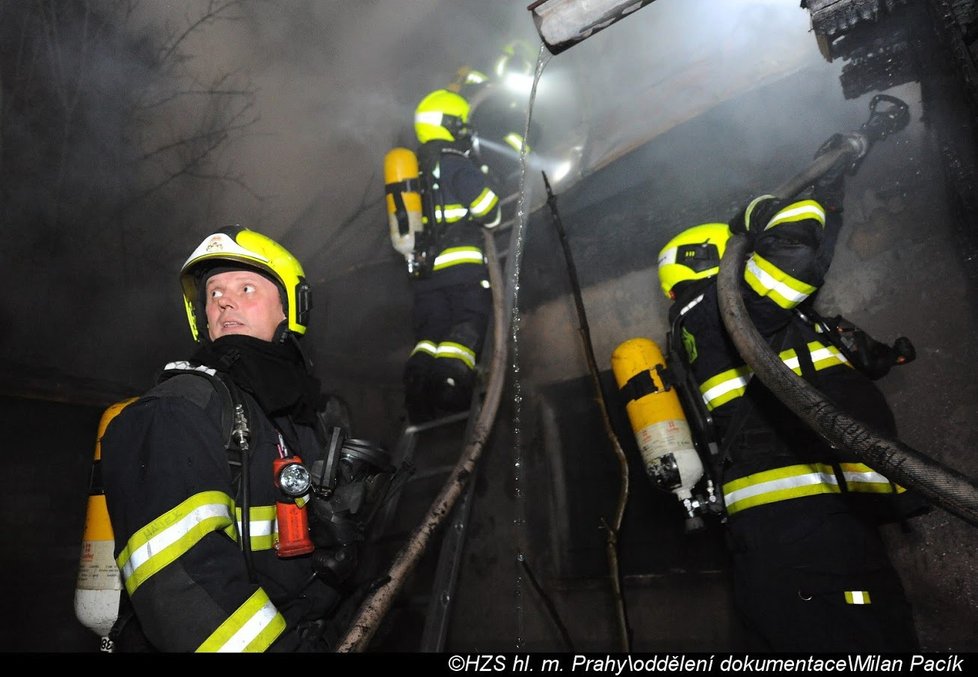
(516, 249)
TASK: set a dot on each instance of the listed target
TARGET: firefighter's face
(242, 302)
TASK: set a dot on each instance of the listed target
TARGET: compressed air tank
(99, 585)
(403, 187)
(656, 416)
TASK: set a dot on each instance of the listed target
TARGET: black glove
(872, 357)
(752, 218)
(829, 189)
(334, 565)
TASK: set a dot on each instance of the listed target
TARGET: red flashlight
(293, 480)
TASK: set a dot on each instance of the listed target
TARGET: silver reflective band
(781, 484)
(450, 258)
(485, 204)
(458, 352)
(428, 118)
(667, 256)
(162, 540)
(768, 282)
(429, 347)
(809, 209)
(253, 627)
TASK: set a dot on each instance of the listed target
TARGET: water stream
(517, 239)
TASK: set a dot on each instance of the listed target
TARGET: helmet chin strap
(291, 336)
(282, 331)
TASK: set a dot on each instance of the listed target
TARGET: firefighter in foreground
(452, 299)
(231, 530)
(810, 570)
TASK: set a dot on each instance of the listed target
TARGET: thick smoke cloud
(309, 95)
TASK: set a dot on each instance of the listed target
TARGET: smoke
(300, 100)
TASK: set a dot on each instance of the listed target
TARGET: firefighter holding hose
(810, 570)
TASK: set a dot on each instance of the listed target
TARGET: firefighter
(810, 570)
(453, 302)
(499, 99)
(212, 540)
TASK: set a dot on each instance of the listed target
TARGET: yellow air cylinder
(403, 187)
(656, 417)
(99, 585)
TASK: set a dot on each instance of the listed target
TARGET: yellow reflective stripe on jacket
(425, 346)
(516, 141)
(453, 256)
(798, 481)
(725, 386)
(860, 477)
(450, 213)
(171, 535)
(484, 204)
(730, 384)
(263, 527)
(749, 211)
(766, 279)
(798, 211)
(457, 351)
(858, 597)
(779, 484)
(252, 627)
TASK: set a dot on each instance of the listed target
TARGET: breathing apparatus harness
(679, 375)
(326, 505)
(871, 357)
(428, 242)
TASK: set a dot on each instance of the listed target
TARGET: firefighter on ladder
(452, 298)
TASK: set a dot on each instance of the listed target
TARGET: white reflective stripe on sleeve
(798, 212)
(451, 213)
(778, 489)
(171, 535)
(769, 282)
(457, 351)
(868, 475)
(485, 202)
(429, 347)
(825, 353)
(753, 204)
(857, 597)
(263, 526)
(450, 257)
(721, 389)
(252, 627)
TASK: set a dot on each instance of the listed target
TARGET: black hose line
(943, 486)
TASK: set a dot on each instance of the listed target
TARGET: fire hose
(943, 486)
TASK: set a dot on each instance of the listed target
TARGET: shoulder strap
(233, 400)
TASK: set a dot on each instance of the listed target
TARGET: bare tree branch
(213, 13)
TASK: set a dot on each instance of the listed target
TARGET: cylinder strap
(405, 186)
(638, 386)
